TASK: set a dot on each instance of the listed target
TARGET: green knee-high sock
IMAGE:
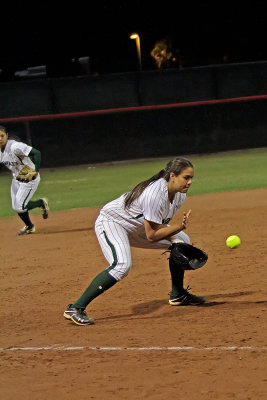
(34, 204)
(177, 276)
(103, 281)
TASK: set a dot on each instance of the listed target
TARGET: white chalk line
(150, 348)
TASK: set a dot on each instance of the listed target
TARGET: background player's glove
(26, 174)
(187, 257)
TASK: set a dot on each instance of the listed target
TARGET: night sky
(53, 33)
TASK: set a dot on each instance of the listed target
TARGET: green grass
(83, 186)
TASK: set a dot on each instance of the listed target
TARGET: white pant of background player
(22, 192)
(116, 243)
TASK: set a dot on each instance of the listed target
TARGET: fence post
(28, 133)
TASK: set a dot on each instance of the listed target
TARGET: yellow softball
(233, 242)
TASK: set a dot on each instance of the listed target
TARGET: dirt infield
(140, 347)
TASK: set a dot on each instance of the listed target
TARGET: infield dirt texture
(140, 347)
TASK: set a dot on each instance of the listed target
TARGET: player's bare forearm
(156, 232)
(164, 233)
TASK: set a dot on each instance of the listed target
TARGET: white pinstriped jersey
(15, 155)
(153, 205)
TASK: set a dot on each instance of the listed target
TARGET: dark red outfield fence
(129, 109)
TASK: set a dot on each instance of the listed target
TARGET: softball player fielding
(140, 218)
(14, 155)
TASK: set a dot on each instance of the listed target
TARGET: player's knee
(121, 270)
(124, 269)
(19, 208)
(186, 238)
(181, 237)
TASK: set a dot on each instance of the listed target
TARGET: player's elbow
(150, 237)
(151, 230)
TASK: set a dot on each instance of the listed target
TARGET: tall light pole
(138, 48)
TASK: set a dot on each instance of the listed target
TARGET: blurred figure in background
(164, 56)
(14, 155)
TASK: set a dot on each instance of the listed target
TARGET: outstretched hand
(156, 232)
(185, 219)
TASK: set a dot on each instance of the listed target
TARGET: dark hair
(177, 165)
(2, 128)
(11, 135)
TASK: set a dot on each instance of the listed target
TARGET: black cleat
(45, 208)
(77, 315)
(26, 230)
(186, 299)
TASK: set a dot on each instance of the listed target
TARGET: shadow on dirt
(154, 305)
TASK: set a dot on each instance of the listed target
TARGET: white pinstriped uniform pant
(116, 245)
(21, 193)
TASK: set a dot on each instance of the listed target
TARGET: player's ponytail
(138, 189)
(176, 166)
